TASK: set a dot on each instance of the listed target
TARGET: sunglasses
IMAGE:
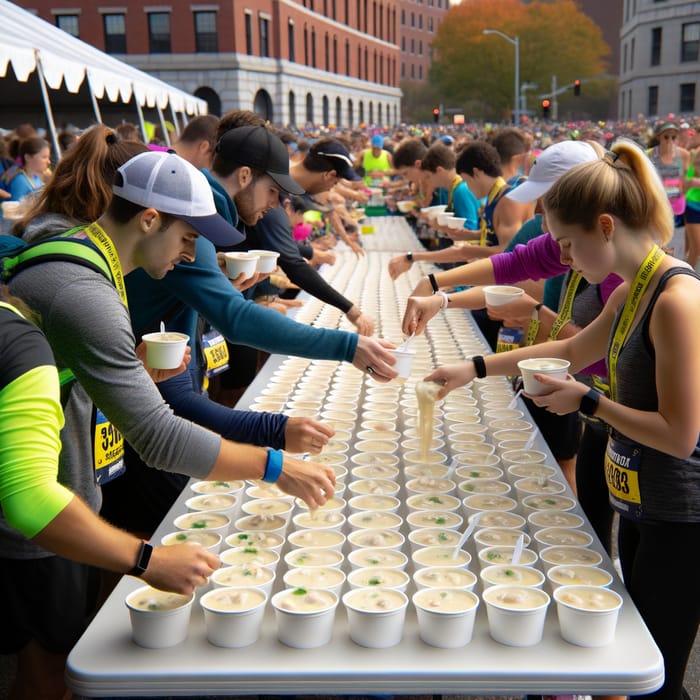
(670, 137)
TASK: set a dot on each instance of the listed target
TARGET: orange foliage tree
(476, 71)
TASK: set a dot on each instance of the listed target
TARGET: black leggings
(661, 568)
(591, 489)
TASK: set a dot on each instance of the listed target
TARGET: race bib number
(215, 353)
(509, 339)
(622, 475)
(108, 449)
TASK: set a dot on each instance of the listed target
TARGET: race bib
(622, 475)
(215, 353)
(108, 449)
(509, 339)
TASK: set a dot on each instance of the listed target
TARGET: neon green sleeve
(30, 421)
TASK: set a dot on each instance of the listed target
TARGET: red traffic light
(577, 87)
(436, 114)
(546, 104)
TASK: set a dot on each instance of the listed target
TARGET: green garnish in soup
(435, 499)
(181, 536)
(250, 550)
(442, 537)
(299, 591)
(440, 521)
(199, 523)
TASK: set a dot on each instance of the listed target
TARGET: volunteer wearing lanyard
(612, 216)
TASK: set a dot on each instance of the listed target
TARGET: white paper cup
(264, 523)
(211, 541)
(435, 518)
(158, 619)
(165, 350)
(562, 554)
(326, 538)
(372, 502)
(210, 521)
(484, 502)
(516, 614)
(267, 260)
(374, 520)
(499, 294)
(445, 616)
(553, 518)
(404, 362)
(244, 576)
(587, 614)
(433, 537)
(443, 557)
(259, 538)
(376, 616)
(504, 555)
(498, 518)
(257, 556)
(550, 366)
(535, 502)
(385, 487)
(377, 557)
(550, 536)
(499, 537)
(383, 539)
(221, 502)
(233, 616)
(577, 575)
(444, 577)
(304, 618)
(508, 575)
(234, 486)
(443, 217)
(318, 520)
(12, 210)
(323, 577)
(456, 222)
(238, 263)
(310, 557)
(377, 577)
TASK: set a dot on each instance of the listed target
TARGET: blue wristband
(273, 468)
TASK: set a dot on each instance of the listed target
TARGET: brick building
(293, 61)
(419, 20)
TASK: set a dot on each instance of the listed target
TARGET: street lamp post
(515, 41)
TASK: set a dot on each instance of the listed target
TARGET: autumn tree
(470, 68)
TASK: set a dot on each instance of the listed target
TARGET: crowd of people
(596, 210)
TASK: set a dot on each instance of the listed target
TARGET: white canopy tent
(62, 63)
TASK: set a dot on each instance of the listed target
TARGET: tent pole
(142, 124)
(95, 105)
(47, 106)
(161, 118)
(176, 121)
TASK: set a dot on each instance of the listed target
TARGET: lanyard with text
(639, 286)
(564, 315)
(450, 194)
(497, 186)
(108, 443)
(104, 244)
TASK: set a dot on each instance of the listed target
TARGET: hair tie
(112, 138)
(611, 156)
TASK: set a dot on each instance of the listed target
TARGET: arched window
(292, 107)
(263, 105)
(351, 117)
(309, 108)
(338, 112)
(326, 110)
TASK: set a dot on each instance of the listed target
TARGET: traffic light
(577, 87)
(545, 108)
(436, 114)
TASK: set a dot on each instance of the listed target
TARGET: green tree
(474, 69)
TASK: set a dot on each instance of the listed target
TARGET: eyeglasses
(670, 137)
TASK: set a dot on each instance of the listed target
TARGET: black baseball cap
(339, 157)
(257, 147)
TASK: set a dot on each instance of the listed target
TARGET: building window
(249, 33)
(335, 55)
(347, 57)
(420, 47)
(413, 19)
(624, 59)
(347, 12)
(403, 70)
(413, 72)
(687, 103)
(403, 18)
(309, 108)
(159, 32)
(420, 21)
(69, 24)
(306, 46)
(359, 62)
(313, 48)
(115, 33)
(413, 47)
(690, 43)
(633, 45)
(333, 9)
(420, 72)
(327, 52)
(264, 29)
(430, 24)
(205, 36)
(655, 46)
(653, 100)
(290, 40)
(292, 108)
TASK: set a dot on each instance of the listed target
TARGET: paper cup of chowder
(259, 538)
(209, 540)
(244, 576)
(238, 263)
(565, 554)
(165, 350)
(158, 619)
(550, 536)
(267, 260)
(445, 557)
(256, 556)
(499, 294)
(577, 575)
(376, 616)
(233, 616)
(553, 518)
(220, 502)
(383, 539)
(499, 537)
(323, 577)
(326, 539)
(509, 575)
(377, 557)
(516, 614)
(504, 555)
(444, 577)
(304, 617)
(404, 363)
(550, 366)
(433, 537)
(445, 616)
(435, 518)
(587, 614)
(233, 487)
(377, 577)
(310, 557)
(206, 520)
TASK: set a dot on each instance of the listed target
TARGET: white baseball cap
(555, 161)
(172, 185)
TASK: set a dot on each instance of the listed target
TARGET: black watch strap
(144, 558)
(409, 256)
(589, 402)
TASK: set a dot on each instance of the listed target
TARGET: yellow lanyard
(639, 286)
(497, 186)
(450, 194)
(104, 244)
(564, 315)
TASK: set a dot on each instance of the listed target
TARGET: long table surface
(105, 662)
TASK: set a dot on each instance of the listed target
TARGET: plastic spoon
(518, 550)
(466, 534)
(162, 327)
(406, 343)
(531, 440)
(514, 400)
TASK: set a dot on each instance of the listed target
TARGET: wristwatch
(142, 562)
(409, 256)
(589, 402)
